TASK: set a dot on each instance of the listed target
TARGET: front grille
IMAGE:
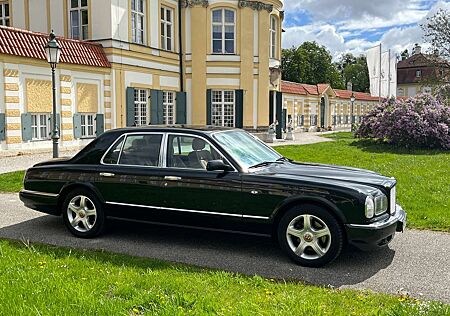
(392, 202)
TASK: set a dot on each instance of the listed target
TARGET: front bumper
(376, 234)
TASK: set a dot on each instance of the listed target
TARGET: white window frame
(418, 73)
(222, 105)
(223, 24)
(138, 12)
(141, 107)
(80, 9)
(169, 107)
(88, 125)
(5, 19)
(42, 121)
(273, 31)
(165, 23)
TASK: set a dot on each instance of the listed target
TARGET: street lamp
(53, 52)
(352, 100)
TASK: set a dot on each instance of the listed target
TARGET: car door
(130, 176)
(190, 188)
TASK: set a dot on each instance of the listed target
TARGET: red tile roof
(311, 89)
(24, 43)
(321, 87)
(346, 94)
(293, 88)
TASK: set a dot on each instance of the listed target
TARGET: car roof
(173, 129)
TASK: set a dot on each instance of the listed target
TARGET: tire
(83, 221)
(315, 245)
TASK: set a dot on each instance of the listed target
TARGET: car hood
(324, 172)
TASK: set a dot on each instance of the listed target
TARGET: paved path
(416, 261)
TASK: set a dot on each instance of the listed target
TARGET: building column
(67, 94)
(107, 102)
(263, 70)
(246, 71)
(12, 107)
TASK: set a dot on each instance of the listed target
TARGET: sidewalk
(14, 160)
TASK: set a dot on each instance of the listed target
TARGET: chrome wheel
(308, 236)
(81, 213)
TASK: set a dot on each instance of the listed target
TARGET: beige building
(193, 62)
(320, 107)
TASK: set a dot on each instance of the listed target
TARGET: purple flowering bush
(422, 121)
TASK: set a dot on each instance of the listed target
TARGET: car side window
(112, 157)
(189, 152)
(141, 150)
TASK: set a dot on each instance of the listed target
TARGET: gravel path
(416, 262)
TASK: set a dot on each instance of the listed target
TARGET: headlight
(381, 204)
(370, 207)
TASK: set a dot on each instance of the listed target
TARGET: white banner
(393, 77)
(373, 64)
(385, 74)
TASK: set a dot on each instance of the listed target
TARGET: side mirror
(218, 165)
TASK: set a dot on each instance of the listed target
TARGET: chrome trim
(398, 216)
(39, 193)
(172, 178)
(106, 174)
(186, 210)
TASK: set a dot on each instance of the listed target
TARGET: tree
(354, 69)
(437, 33)
(310, 63)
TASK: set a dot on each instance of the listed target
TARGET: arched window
(223, 31)
(273, 36)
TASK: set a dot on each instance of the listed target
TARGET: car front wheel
(310, 235)
(83, 214)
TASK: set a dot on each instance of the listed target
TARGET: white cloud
(343, 27)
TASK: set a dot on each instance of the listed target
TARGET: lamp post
(53, 52)
(352, 100)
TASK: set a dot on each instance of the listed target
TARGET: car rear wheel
(83, 214)
(310, 235)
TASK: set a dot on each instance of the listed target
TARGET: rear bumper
(40, 201)
(378, 234)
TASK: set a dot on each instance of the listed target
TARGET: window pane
(217, 46)
(169, 15)
(217, 31)
(229, 16)
(84, 17)
(162, 14)
(84, 3)
(74, 21)
(133, 5)
(229, 46)
(217, 16)
(169, 44)
(74, 3)
(1, 10)
(189, 152)
(6, 9)
(141, 150)
(229, 32)
(85, 31)
(113, 155)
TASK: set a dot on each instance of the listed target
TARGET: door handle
(106, 174)
(172, 178)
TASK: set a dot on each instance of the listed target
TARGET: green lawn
(423, 175)
(46, 280)
(11, 182)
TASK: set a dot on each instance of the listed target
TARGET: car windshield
(246, 149)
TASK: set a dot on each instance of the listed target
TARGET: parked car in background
(219, 179)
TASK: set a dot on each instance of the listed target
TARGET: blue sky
(356, 25)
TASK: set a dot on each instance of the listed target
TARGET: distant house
(419, 73)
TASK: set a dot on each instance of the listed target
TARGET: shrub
(422, 121)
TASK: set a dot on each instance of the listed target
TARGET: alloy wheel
(81, 213)
(308, 236)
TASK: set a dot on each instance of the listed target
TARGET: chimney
(417, 49)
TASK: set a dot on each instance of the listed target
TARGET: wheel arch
(69, 187)
(319, 201)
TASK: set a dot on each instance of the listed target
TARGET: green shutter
(130, 107)
(271, 118)
(239, 109)
(181, 108)
(99, 124)
(156, 107)
(279, 114)
(208, 107)
(77, 125)
(2, 126)
(27, 133)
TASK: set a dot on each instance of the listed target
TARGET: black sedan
(218, 179)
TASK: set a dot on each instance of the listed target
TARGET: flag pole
(379, 81)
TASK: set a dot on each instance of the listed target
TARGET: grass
(46, 280)
(423, 176)
(11, 182)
